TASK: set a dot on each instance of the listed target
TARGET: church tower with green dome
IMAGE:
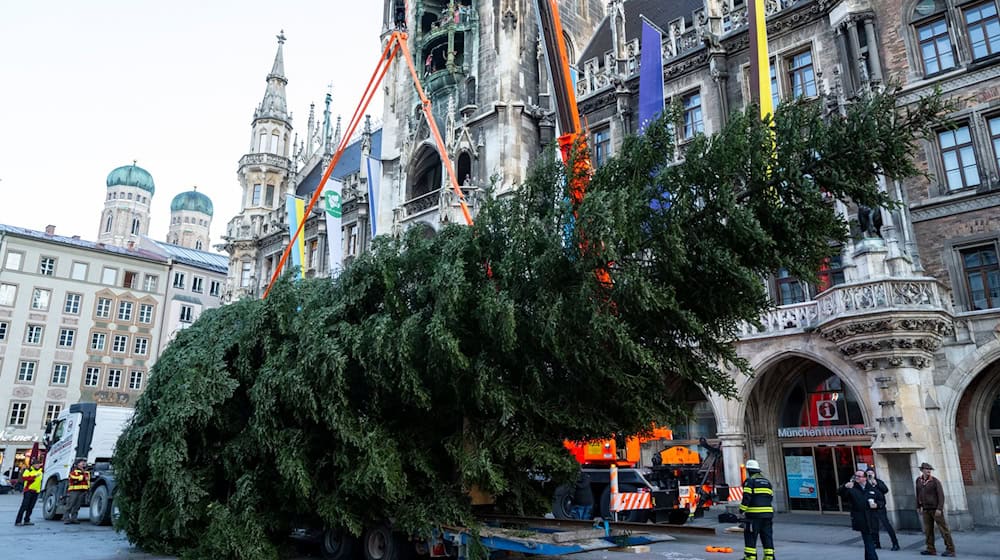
(190, 220)
(126, 207)
(263, 174)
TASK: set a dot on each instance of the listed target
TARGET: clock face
(925, 7)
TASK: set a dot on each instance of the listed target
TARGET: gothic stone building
(894, 359)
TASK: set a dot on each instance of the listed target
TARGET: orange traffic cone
(724, 549)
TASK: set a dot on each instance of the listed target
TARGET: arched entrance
(977, 424)
(808, 426)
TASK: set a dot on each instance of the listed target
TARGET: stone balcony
(266, 159)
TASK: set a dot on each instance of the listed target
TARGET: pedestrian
(758, 509)
(930, 506)
(881, 513)
(32, 477)
(583, 497)
(864, 501)
(428, 64)
(79, 485)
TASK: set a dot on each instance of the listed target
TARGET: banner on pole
(373, 167)
(334, 232)
(295, 208)
(650, 74)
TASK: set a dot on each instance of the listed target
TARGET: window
(775, 87)
(150, 282)
(145, 313)
(67, 337)
(995, 137)
(135, 226)
(130, 279)
(60, 374)
(92, 377)
(120, 344)
(107, 224)
(245, 275)
(352, 240)
(135, 380)
(313, 259)
(18, 414)
(26, 371)
(198, 245)
(269, 195)
(109, 276)
(935, 47)
(959, 158)
(179, 280)
(47, 266)
(97, 341)
(789, 289)
(8, 293)
(114, 378)
(141, 346)
(3, 330)
(602, 147)
(72, 304)
(186, 312)
(693, 123)
(40, 299)
(801, 76)
(79, 271)
(129, 196)
(125, 310)
(982, 276)
(13, 261)
(197, 285)
(52, 411)
(214, 288)
(103, 308)
(33, 334)
(984, 30)
(255, 197)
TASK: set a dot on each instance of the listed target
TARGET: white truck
(85, 431)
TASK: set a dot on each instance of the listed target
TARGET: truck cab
(87, 431)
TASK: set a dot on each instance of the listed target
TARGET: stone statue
(870, 221)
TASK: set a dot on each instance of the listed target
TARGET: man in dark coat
(864, 501)
(881, 513)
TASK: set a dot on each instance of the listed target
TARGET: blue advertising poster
(801, 476)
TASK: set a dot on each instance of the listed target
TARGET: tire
(677, 517)
(338, 545)
(380, 543)
(100, 506)
(562, 502)
(50, 502)
(630, 516)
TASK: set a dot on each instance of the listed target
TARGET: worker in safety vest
(79, 486)
(758, 510)
(32, 477)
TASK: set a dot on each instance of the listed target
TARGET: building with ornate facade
(894, 359)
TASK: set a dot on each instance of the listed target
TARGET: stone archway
(425, 173)
(977, 431)
(808, 427)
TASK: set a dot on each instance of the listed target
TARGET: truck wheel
(100, 506)
(562, 502)
(630, 516)
(677, 517)
(50, 502)
(338, 545)
(380, 543)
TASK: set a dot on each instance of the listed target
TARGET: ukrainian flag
(296, 214)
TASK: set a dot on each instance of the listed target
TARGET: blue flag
(650, 75)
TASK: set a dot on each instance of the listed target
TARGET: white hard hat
(753, 465)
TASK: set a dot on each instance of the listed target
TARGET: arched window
(934, 49)
(570, 49)
(135, 226)
(425, 175)
(197, 245)
(820, 398)
(107, 224)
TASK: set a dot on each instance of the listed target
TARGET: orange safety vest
(78, 480)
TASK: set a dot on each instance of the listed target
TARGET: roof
(349, 163)
(131, 176)
(201, 259)
(82, 244)
(660, 12)
(193, 201)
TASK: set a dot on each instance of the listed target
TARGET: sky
(91, 85)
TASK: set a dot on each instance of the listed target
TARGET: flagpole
(760, 63)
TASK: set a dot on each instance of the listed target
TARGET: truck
(83, 431)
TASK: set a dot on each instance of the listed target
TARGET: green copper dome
(193, 201)
(132, 176)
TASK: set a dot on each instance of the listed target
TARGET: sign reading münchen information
(822, 431)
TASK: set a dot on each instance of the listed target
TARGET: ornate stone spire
(327, 128)
(274, 105)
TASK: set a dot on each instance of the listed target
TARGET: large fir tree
(436, 362)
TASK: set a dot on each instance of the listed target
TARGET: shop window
(934, 43)
(981, 273)
(959, 158)
(983, 29)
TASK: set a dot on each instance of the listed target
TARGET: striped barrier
(736, 494)
(633, 500)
